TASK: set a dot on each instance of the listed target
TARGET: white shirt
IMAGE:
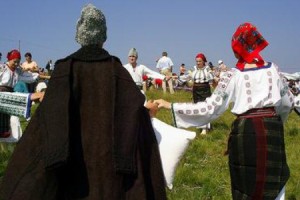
(164, 63)
(10, 78)
(249, 89)
(32, 66)
(139, 71)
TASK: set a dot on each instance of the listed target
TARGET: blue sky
(46, 28)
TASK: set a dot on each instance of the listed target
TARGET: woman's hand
(37, 96)
(152, 107)
(162, 103)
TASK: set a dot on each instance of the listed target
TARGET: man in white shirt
(165, 65)
(137, 71)
(30, 66)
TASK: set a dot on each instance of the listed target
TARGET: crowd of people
(16, 79)
(100, 143)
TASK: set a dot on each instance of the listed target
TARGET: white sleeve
(171, 62)
(197, 114)
(4, 75)
(158, 65)
(287, 99)
(185, 77)
(152, 74)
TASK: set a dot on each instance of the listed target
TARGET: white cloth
(249, 89)
(16, 130)
(294, 76)
(40, 87)
(164, 63)
(139, 71)
(173, 143)
(10, 78)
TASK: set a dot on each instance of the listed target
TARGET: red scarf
(202, 56)
(247, 43)
(13, 55)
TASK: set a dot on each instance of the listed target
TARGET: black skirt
(4, 118)
(201, 91)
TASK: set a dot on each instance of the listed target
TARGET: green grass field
(203, 171)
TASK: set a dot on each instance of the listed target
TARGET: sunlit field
(203, 171)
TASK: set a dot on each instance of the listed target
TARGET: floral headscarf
(247, 42)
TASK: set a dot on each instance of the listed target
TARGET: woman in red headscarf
(202, 78)
(13, 103)
(261, 101)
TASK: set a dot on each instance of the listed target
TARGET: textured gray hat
(91, 26)
(133, 52)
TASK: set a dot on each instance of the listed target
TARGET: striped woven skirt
(257, 159)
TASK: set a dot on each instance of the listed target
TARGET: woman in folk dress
(262, 102)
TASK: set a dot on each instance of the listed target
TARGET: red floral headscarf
(202, 56)
(13, 55)
(247, 42)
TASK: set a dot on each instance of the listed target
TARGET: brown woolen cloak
(90, 138)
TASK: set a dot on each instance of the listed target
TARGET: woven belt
(201, 84)
(259, 112)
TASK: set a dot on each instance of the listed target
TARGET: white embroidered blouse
(252, 88)
(10, 78)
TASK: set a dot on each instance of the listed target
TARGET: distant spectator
(222, 67)
(30, 66)
(165, 66)
(50, 67)
(182, 69)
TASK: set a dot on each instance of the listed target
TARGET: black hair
(28, 54)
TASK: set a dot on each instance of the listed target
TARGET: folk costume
(202, 79)
(8, 80)
(139, 71)
(91, 137)
(261, 101)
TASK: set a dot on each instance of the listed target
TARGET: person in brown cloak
(91, 137)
